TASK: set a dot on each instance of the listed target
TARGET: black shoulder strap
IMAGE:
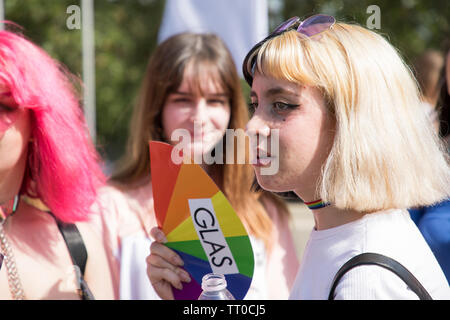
(385, 262)
(74, 243)
(78, 253)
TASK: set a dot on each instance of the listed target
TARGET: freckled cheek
(289, 159)
(294, 146)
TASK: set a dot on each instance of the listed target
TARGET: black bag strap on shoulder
(78, 253)
(385, 262)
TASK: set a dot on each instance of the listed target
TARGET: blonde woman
(191, 78)
(356, 146)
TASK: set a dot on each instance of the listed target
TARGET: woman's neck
(331, 217)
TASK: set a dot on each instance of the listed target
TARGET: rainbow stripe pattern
(317, 204)
(200, 225)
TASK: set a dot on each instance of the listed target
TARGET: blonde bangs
(199, 73)
(274, 59)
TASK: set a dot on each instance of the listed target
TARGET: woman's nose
(199, 112)
(256, 126)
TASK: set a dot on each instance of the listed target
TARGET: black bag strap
(385, 262)
(74, 243)
(78, 253)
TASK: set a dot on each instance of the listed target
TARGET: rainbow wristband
(317, 204)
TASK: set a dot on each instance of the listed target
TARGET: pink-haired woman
(49, 174)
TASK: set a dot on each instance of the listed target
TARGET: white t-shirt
(391, 233)
(134, 283)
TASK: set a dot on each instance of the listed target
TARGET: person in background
(444, 101)
(49, 175)
(434, 221)
(356, 146)
(191, 78)
(427, 69)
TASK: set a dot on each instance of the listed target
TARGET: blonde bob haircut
(385, 153)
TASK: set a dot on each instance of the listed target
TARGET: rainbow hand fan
(200, 225)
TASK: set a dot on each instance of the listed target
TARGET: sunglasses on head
(307, 28)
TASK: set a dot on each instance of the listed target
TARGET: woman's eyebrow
(182, 93)
(219, 94)
(279, 90)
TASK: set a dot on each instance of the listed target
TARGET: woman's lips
(262, 159)
(262, 162)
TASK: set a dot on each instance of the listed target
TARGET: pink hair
(63, 165)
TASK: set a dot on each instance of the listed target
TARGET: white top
(134, 283)
(391, 233)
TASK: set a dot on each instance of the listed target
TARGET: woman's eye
(216, 102)
(5, 108)
(281, 106)
(252, 106)
(181, 100)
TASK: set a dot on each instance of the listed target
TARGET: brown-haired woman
(191, 79)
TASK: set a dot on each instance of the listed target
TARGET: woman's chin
(271, 183)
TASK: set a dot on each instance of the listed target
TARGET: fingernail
(161, 237)
(184, 275)
(178, 261)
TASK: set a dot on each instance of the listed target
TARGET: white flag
(241, 24)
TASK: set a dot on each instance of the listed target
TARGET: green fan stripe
(192, 247)
(242, 251)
